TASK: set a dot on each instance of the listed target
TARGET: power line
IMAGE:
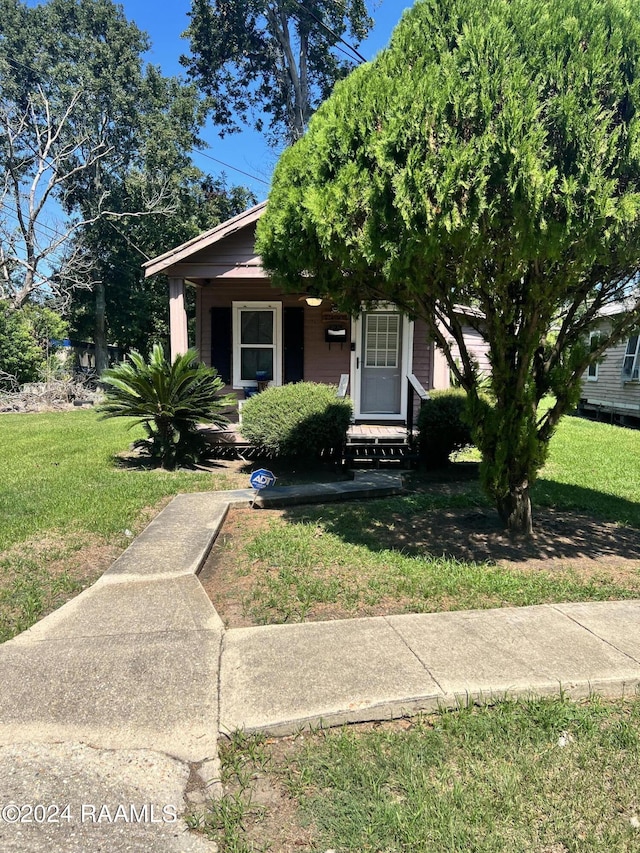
(330, 31)
(229, 166)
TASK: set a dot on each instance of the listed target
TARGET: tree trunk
(100, 332)
(515, 510)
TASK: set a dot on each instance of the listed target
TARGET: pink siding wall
(237, 248)
(422, 362)
(323, 362)
(422, 355)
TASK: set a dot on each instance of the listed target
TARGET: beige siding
(441, 370)
(608, 392)
(477, 348)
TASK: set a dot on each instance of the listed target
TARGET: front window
(256, 343)
(630, 364)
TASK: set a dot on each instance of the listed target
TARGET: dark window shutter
(221, 343)
(293, 334)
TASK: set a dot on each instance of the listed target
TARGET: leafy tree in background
(273, 57)
(25, 342)
(137, 310)
(489, 157)
(88, 131)
(71, 92)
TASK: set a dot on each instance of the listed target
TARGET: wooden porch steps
(368, 446)
(376, 446)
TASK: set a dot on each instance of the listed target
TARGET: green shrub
(169, 400)
(301, 419)
(442, 427)
(24, 341)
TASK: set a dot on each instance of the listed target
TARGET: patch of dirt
(60, 555)
(226, 584)
(565, 543)
(38, 576)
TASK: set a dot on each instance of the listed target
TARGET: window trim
(593, 377)
(238, 308)
(635, 365)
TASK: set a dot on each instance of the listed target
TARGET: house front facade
(253, 333)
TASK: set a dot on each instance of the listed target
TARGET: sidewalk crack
(415, 654)
(593, 634)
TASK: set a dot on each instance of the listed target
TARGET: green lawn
(65, 506)
(593, 467)
(67, 509)
(57, 472)
(389, 556)
(543, 776)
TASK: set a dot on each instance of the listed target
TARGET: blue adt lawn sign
(261, 478)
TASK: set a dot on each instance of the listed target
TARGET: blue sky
(165, 22)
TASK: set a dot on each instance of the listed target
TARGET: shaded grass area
(545, 776)
(331, 562)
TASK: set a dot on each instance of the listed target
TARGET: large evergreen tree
(490, 157)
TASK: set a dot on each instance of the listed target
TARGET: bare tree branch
(43, 160)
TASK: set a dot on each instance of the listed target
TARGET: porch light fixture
(313, 301)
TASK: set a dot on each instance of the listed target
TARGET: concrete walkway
(110, 708)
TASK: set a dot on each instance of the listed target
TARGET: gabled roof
(202, 241)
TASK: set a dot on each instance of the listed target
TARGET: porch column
(177, 318)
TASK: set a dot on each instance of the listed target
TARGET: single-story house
(251, 331)
(611, 388)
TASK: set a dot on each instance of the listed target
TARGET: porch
(367, 445)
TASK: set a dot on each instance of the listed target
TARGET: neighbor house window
(256, 342)
(594, 343)
(630, 364)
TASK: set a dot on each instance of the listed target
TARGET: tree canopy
(71, 96)
(277, 58)
(489, 157)
(96, 150)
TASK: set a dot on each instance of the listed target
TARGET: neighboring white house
(611, 388)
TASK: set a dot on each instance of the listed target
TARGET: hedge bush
(442, 427)
(301, 419)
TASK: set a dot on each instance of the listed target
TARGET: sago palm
(169, 400)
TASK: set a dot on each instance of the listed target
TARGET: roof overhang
(203, 241)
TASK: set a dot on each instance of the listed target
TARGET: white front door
(381, 364)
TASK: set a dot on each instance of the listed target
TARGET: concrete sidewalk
(281, 678)
(110, 707)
